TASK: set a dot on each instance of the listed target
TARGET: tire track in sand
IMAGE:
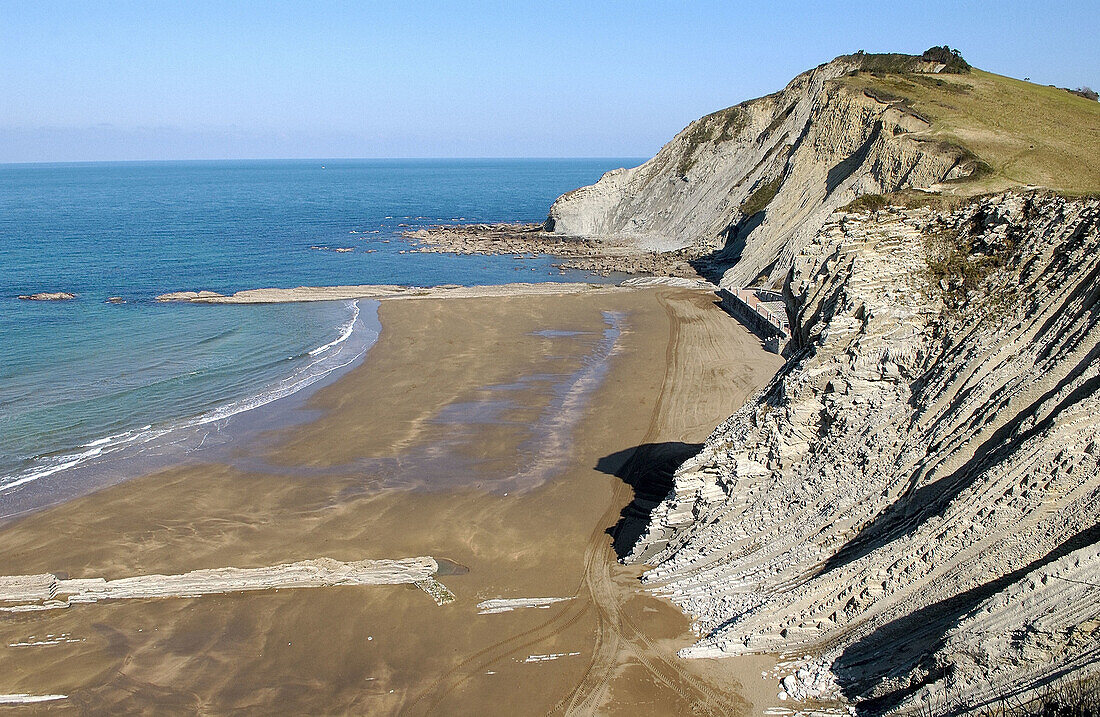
(604, 594)
(618, 640)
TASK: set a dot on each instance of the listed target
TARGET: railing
(752, 299)
(762, 313)
(768, 295)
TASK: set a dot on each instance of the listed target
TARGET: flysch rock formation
(914, 501)
(21, 698)
(816, 144)
(498, 605)
(48, 296)
(381, 292)
(23, 593)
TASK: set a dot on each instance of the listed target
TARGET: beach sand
(489, 432)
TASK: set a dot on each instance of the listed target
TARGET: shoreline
(472, 375)
(204, 436)
(88, 474)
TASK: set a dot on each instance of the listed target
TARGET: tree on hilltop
(950, 58)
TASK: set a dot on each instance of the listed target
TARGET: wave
(323, 360)
(345, 332)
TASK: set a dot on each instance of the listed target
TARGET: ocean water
(84, 381)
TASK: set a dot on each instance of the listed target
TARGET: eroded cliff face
(816, 144)
(915, 499)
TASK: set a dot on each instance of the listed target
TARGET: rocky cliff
(802, 153)
(915, 499)
(910, 512)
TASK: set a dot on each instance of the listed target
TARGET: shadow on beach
(648, 469)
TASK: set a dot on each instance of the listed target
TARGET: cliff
(753, 183)
(910, 512)
(801, 153)
(916, 497)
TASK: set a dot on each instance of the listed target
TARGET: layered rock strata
(498, 605)
(380, 292)
(802, 153)
(915, 498)
(21, 593)
(531, 240)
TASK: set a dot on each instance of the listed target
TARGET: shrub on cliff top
(899, 64)
(1087, 92)
(884, 63)
(950, 58)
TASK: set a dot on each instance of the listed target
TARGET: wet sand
(478, 430)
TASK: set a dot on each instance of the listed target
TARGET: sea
(88, 383)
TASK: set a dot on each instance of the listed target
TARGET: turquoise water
(83, 380)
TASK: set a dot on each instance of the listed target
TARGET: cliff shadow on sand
(648, 469)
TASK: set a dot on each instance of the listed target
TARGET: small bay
(84, 377)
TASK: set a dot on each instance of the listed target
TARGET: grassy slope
(1028, 133)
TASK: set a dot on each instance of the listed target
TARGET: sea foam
(320, 363)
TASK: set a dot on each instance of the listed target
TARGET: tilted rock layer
(816, 145)
(916, 496)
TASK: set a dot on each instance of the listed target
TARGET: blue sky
(159, 80)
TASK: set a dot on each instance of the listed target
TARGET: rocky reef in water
(48, 296)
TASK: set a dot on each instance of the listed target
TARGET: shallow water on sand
(84, 381)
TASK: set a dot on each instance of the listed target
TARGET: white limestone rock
(913, 494)
(825, 143)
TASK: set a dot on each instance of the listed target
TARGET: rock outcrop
(531, 240)
(382, 292)
(25, 593)
(802, 153)
(48, 296)
(915, 499)
(188, 295)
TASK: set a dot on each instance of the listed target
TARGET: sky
(89, 81)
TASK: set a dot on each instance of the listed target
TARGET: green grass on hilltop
(1026, 133)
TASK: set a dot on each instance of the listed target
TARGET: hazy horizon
(181, 160)
(128, 81)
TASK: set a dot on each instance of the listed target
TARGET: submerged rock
(187, 295)
(48, 296)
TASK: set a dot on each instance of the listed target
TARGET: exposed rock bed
(188, 295)
(23, 593)
(586, 254)
(48, 296)
(25, 699)
(382, 292)
(916, 496)
(498, 605)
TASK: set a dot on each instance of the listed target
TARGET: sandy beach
(505, 436)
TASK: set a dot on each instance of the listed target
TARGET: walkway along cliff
(914, 501)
